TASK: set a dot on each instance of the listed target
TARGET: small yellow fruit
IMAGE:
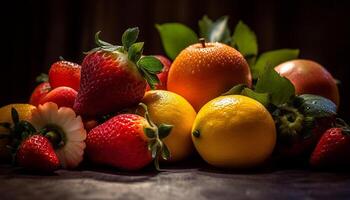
(170, 108)
(24, 112)
(234, 132)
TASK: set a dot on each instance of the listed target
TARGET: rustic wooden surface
(196, 181)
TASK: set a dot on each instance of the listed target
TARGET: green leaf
(204, 27)
(151, 79)
(237, 89)
(100, 42)
(135, 51)
(272, 59)
(149, 132)
(165, 152)
(129, 37)
(42, 78)
(219, 31)
(15, 116)
(151, 64)
(175, 37)
(279, 88)
(164, 130)
(317, 106)
(263, 98)
(244, 39)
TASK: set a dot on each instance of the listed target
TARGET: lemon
(24, 112)
(234, 132)
(170, 108)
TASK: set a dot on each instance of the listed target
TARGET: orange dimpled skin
(201, 73)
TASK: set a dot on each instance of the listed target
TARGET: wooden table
(193, 181)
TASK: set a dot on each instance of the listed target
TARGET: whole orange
(204, 71)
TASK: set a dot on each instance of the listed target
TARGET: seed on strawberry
(36, 153)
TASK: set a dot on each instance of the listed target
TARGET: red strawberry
(36, 153)
(39, 92)
(114, 77)
(121, 142)
(332, 150)
(163, 75)
(65, 73)
(62, 96)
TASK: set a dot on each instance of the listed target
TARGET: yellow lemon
(24, 112)
(234, 132)
(170, 108)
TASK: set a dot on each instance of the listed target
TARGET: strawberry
(39, 92)
(114, 77)
(127, 141)
(163, 75)
(62, 96)
(333, 149)
(36, 153)
(300, 123)
(65, 73)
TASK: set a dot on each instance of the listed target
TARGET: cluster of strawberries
(110, 79)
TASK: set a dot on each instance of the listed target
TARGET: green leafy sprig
(148, 66)
(155, 135)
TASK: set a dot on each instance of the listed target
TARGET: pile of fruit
(218, 97)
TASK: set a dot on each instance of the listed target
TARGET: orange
(166, 107)
(234, 131)
(202, 72)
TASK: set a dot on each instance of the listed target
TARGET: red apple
(163, 76)
(309, 77)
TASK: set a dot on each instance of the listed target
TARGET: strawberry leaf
(165, 152)
(237, 89)
(135, 51)
(15, 116)
(205, 25)
(219, 31)
(280, 89)
(42, 78)
(263, 98)
(151, 79)
(244, 39)
(129, 37)
(100, 42)
(149, 133)
(150, 64)
(164, 130)
(272, 59)
(175, 37)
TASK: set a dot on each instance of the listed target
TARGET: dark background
(38, 32)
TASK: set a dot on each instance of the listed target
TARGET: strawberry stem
(290, 123)
(155, 135)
